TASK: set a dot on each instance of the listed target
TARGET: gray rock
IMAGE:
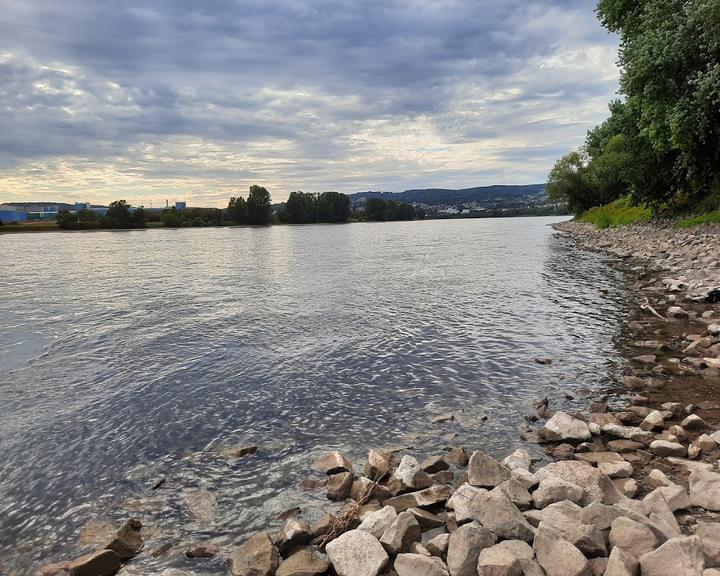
(100, 563)
(306, 562)
(401, 533)
(709, 535)
(426, 519)
(519, 459)
(438, 545)
(418, 565)
(128, 540)
(357, 553)
(485, 472)
(421, 499)
(681, 556)
(692, 422)
(505, 559)
(562, 426)
(553, 489)
(333, 463)
(633, 537)
(378, 465)
(458, 456)
(580, 473)
(409, 476)
(674, 495)
(464, 502)
(556, 555)
(377, 522)
(622, 469)
(621, 563)
(295, 533)
(256, 557)
(464, 547)
(495, 510)
(556, 515)
(628, 432)
(518, 493)
(434, 464)
(705, 490)
(664, 448)
(339, 486)
(600, 515)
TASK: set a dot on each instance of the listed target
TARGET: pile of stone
(124, 545)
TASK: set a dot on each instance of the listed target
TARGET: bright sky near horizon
(196, 100)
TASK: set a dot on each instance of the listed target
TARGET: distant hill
(442, 196)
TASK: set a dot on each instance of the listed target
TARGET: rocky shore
(633, 488)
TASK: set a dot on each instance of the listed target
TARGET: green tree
(333, 207)
(237, 210)
(301, 208)
(259, 206)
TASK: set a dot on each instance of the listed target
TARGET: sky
(196, 100)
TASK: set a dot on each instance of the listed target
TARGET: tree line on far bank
(660, 147)
(257, 209)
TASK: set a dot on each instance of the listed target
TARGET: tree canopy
(661, 143)
(307, 208)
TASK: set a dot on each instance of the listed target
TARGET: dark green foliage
(195, 217)
(307, 208)
(379, 210)
(237, 211)
(259, 206)
(669, 121)
(118, 216)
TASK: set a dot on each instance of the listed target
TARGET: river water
(130, 356)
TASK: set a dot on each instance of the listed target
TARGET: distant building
(10, 214)
(82, 206)
(180, 205)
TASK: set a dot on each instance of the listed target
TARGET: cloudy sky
(199, 99)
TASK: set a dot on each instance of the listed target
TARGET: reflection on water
(129, 356)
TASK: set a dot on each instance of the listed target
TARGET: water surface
(126, 356)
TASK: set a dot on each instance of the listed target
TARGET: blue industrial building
(10, 215)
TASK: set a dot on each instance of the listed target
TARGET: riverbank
(633, 480)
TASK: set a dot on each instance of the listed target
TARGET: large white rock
(628, 432)
(633, 537)
(504, 559)
(518, 460)
(465, 502)
(409, 475)
(464, 547)
(379, 521)
(556, 555)
(705, 490)
(580, 473)
(562, 426)
(552, 490)
(709, 535)
(357, 553)
(496, 511)
(418, 565)
(401, 533)
(485, 471)
(681, 556)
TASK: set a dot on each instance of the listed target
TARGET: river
(130, 356)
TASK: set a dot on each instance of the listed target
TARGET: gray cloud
(198, 97)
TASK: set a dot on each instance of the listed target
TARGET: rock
(458, 456)
(621, 469)
(256, 557)
(464, 547)
(598, 407)
(633, 382)
(544, 360)
(444, 417)
(295, 533)
(664, 448)
(438, 545)
(626, 486)
(54, 569)
(555, 515)
(518, 460)
(463, 502)
(427, 520)
(517, 492)
(628, 432)
(201, 550)
(633, 537)
(333, 463)
(362, 488)
(693, 422)
(677, 312)
(402, 532)
(709, 535)
(484, 471)
(504, 559)
(689, 465)
(705, 490)
(646, 359)
(675, 496)
(564, 451)
(339, 486)
(600, 515)
(525, 478)
(658, 479)
(409, 476)
(621, 563)
(306, 562)
(557, 556)
(377, 466)
(100, 563)
(357, 553)
(443, 477)
(624, 446)
(128, 540)
(652, 421)
(434, 464)
(377, 522)
(423, 498)
(495, 510)
(562, 426)
(681, 556)
(242, 451)
(555, 489)
(418, 565)
(579, 473)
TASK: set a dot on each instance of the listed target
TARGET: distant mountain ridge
(444, 196)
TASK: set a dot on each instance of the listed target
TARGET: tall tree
(259, 205)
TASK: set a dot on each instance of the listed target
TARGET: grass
(707, 218)
(48, 226)
(618, 213)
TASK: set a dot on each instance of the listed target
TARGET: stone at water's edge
(333, 463)
(357, 553)
(100, 563)
(256, 557)
(485, 471)
(128, 541)
(464, 547)
(307, 562)
(562, 426)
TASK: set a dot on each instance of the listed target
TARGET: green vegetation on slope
(661, 144)
(618, 213)
(707, 218)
